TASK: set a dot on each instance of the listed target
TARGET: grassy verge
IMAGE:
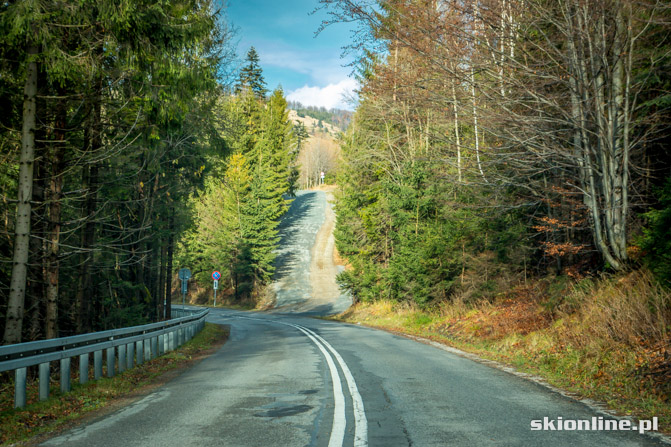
(62, 410)
(606, 340)
(260, 299)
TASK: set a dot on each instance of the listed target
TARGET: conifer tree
(251, 76)
(111, 122)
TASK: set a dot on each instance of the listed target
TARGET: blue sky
(309, 68)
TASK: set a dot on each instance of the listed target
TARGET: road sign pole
(215, 285)
(185, 284)
(184, 275)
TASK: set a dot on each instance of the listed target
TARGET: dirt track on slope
(323, 269)
(305, 279)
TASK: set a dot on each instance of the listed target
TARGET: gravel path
(304, 280)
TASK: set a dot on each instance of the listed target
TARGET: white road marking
(339, 420)
(360, 421)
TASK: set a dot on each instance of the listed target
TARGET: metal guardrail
(123, 347)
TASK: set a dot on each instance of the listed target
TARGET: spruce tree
(251, 76)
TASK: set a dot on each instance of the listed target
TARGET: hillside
(319, 153)
(314, 126)
(337, 117)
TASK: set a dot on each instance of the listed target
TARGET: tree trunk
(93, 142)
(36, 273)
(456, 130)
(55, 192)
(152, 275)
(475, 126)
(83, 297)
(168, 276)
(17, 288)
(162, 281)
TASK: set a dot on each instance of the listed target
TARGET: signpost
(184, 275)
(215, 277)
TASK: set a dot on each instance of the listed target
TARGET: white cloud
(331, 96)
(319, 65)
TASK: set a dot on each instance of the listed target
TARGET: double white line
(339, 419)
(360, 422)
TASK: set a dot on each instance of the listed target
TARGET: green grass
(40, 417)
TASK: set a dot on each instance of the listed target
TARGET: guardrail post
(122, 358)
(65, 375)
(130, 355)
(97, 365)
(110, 362)
(154, 347)
(20, 387)
(83, 368)
(172, 335)
(44, 381)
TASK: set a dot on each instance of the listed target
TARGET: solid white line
(360, 421)
(339, 420)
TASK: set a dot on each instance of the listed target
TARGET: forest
(494, 141)
(505, 186)
(131, 143)
(503, 139)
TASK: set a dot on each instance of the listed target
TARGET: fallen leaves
(653, 368)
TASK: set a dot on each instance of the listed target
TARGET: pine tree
(236, 220)
(111, 92)
(251, 76)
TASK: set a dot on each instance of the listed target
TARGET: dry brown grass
(633, 310)
(607, 339)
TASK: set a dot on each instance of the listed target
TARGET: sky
(309, 68)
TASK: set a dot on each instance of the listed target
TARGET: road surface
(285, 379)
(305, 277)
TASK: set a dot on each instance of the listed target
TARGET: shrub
(656, 239)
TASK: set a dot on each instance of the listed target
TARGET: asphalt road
(285, 379)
